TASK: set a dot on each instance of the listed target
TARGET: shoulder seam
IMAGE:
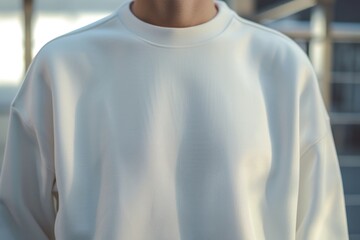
(310, 146)
(261, 27)
(29, 129)
(24, 120)
(284, 37)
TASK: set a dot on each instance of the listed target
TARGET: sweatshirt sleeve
(27, 177)
(321, 212)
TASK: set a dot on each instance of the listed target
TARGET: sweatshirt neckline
(177, 37)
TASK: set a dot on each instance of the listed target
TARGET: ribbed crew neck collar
(177, 37)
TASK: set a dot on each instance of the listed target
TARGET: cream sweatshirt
(212, 132)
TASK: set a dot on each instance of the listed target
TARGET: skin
(174, 13)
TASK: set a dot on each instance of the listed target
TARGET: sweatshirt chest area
(213, 83)
(212, 75)
(208, 97)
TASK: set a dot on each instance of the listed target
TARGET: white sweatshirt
(212, 132)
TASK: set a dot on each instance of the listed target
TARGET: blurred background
(327, 30)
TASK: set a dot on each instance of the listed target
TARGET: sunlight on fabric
(51, 25)
(47, 26)
(11, 49)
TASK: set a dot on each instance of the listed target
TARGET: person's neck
(174, 13)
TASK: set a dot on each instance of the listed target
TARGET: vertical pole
(320, 49)
(28, 12)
